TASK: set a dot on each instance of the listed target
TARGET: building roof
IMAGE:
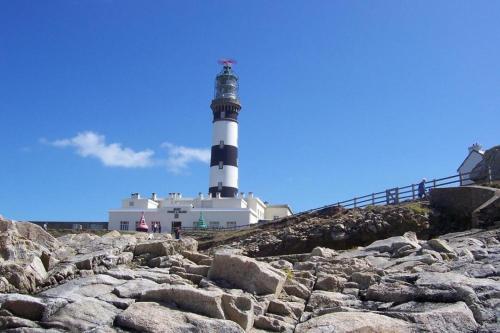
(480, 152)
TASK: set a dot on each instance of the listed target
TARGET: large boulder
(353, 322)
(24, 306)
(436, 317)
(151, 317)
(204, 302)
(247, 274)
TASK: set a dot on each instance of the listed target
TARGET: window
(221, 144)
(223, 114)
(221, 164)
(131, 203)
(213, 224)
(219, 186)
(231, 224)
(123, 225)
(275, 217)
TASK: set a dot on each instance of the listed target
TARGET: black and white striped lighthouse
(225, 108)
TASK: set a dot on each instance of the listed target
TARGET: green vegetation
(288, 272)
(417, 208)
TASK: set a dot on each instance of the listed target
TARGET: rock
(239, 309)
(152, 317)
(282, 264)
(329, 282)
(440, 245)
(365, 279)
(197, 269)
(293, 310)
(24, 306)
(323, 252)
(350, 322)
(195, 256)
(134, 288)
(154, 248)
(436, 317)
(83, 315)
(119, 302)
(392, 244)
(294, 288)
(204, 302)
(247, 274)
(8, 323)
(325, 299)
(272, 324)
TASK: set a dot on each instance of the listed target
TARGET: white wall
(471, 161)
(228, 176)
(139, 203)
(272, 212)
(226, 131)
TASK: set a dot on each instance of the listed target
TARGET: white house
(476, 154)
(177, 211)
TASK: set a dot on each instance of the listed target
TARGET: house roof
(480, 152)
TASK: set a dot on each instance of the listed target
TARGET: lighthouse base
(225, 192)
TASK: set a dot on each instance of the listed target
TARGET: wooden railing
(391, 196)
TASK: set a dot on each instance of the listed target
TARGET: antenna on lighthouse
(227, 62)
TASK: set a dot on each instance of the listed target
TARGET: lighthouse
(224, 157)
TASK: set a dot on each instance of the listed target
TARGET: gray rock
(323, 252)
(83, 315)
(440, 245)
(239, 309)
(350, 322)
(329, 282)
(247, 274)
(436, 317)
(205, 302)
(392, 244)
(152, 317)
(24, 306)
(272, 324)
(134, 288)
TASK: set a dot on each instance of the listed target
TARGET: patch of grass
(417, 208)
(288, 272)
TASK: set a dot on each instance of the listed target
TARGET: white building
(175, 210)
(476, 154)
(224, 207)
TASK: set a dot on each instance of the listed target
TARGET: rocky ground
(126, 283)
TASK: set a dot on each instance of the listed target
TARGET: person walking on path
(159, 227)
(154, 227)
(177, 232)
(421, 189)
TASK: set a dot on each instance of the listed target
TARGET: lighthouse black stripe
(228, 115)
(226, 191)
(227, 154)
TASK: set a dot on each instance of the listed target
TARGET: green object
(201, 222)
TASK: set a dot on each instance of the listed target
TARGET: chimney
(250, 195)
(477, 147)
(217, 195)
(135, 196)
(153, 196)
(210, 195)
(200, 195)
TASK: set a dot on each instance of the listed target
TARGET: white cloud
(91, 144)
(179, 156)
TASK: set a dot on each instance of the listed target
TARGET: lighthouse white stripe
(226, 131)
(228, 175)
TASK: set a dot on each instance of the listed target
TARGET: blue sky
(99, 99)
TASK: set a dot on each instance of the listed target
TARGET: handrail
(390, 196)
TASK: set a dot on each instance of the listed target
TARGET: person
(177, 232)
(159, 227)
(154, 227)
(45, 226)
(421, 189)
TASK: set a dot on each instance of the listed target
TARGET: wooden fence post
(354, 202)
(373, 199)
(413, 191)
